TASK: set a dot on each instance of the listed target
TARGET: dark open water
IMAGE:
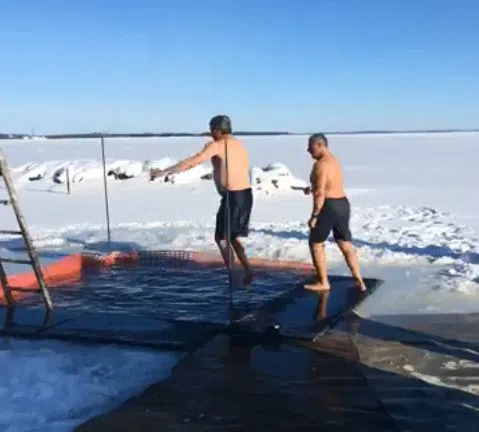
(185, 293)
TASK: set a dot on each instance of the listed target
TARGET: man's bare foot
(318, 287)
(361, 285)
(249, 277)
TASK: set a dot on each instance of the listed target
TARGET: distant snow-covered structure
(275, 176)
(192, 175)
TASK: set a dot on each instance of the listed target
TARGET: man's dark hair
(318, 137)
(221, 123)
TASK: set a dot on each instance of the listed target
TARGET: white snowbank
(56, 386)
(275, 177)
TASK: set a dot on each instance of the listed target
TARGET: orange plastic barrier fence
(70, 269)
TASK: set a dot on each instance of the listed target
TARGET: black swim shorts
(334, 215)
(240, 204)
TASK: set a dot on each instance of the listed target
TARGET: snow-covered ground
(414, 204)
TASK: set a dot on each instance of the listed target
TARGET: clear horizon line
(240, 132)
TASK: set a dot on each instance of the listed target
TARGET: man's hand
(312, 222)
(307, 190)
(155, 172)
(211, 149)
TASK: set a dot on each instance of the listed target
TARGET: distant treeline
(10, 136)
(238, 133)
(148, 134)
(138, 135)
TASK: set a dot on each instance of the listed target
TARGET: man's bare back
(329, 166)
(237, 178)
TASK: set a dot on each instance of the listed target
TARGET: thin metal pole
(102, 140)
(228, 234)
(69, 190)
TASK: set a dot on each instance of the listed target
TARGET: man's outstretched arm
(209, 150)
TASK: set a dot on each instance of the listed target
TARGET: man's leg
(318, 255)
(317, 237)
(225, 251)
(236, 247)
(352, 261)
(343, 238)
(220, 234)
(242, 205)
(241, 254)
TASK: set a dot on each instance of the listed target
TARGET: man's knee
(345, 246)
(317, 248)
(220, 241)
(316, 244)
(235, 242)
(223, 243)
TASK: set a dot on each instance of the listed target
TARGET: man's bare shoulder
(233, 140)
(230, 142)
(210, 149)
(212, 144)
(334, 163)
(322, 164)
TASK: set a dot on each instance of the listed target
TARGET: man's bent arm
(319, 188)
(210, 150)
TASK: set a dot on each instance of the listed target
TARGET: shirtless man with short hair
(331, 211)
(232, 183)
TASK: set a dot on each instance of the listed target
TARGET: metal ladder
(33, 257)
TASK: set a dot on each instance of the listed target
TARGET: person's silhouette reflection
(354, 297)
(320, 312)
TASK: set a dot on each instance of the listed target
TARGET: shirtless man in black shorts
(232, 182)
(331, 211)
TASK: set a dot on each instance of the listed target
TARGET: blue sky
(304, 65)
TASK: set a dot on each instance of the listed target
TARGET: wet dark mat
(304, 314)
(345, 380)
(229, 386)
(424, 368)
(454, 326)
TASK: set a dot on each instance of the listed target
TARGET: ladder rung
(25, 290)
(16, 261)
(10, 232)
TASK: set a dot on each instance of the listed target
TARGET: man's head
(220, 125)
(317, 145)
